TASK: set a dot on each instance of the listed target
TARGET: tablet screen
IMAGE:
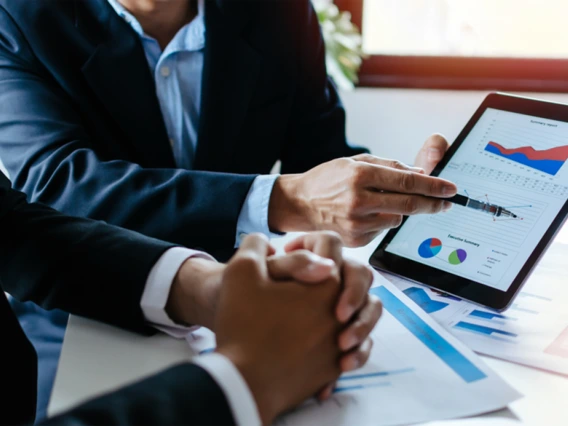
(513, 160)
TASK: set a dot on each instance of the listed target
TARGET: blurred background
(409, 68)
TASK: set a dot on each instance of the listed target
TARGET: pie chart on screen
(457, 257)
(430, 248)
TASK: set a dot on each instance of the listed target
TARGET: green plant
(344, 53)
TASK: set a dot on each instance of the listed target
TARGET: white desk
(97, 358)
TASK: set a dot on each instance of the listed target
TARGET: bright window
(489, 28)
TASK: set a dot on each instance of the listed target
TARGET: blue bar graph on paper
(421, 298)
(462, 366)
(483, 330)
(377, 374)
(487, 315)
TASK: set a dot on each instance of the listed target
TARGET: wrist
(287, 208)
(264, 398)
(194, 292)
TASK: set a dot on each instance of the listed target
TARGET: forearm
(168, 204)
(81, 266)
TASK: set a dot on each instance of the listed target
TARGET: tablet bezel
(462, 287)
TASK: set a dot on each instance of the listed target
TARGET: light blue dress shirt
(177, 72)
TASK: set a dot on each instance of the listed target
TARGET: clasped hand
(294, 322)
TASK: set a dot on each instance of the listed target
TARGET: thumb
(301, 265)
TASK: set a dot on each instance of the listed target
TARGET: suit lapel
(118, 73)
(230, 71)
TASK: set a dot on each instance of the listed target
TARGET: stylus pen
(492, 209)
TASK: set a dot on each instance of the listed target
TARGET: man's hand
(194, 294)
(356, 308)
(357, 197)
(431, 153)
(281, 335)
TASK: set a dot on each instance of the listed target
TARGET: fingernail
(434, 154)
(449, 190)
(447, 206)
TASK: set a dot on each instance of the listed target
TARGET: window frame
(458, 73)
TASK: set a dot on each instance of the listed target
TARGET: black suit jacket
(98, 271)
(81, 128)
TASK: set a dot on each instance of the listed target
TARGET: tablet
(511, 154)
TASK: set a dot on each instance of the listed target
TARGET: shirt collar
(133, 22)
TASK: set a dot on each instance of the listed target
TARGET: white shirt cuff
(254, 214)
(236, 390)
(157, 290)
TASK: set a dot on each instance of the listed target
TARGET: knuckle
(364, 157)
(362, 330)
(354, 205)
(303, 257)
(395, 164)
(332, 237)
(410, 206)
(358, 174)
(435, 186)
(246, 261)
(351, 241)
(408, 181)
(397, 221)
(438, 206)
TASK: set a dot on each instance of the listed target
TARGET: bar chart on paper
(415, 374)
(533, 331)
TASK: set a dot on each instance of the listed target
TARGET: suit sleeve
(82, 266)
(50, 156)
(317, 128)
(185, 394)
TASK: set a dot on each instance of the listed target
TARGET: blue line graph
(448, 354)
(360, 387)
(378, 374)
(480, 329)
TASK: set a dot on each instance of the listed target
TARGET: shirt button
(171, 142)
(165, 71)
(242, 236)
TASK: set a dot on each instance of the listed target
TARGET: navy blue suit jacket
(81, 128)
(75, 264)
